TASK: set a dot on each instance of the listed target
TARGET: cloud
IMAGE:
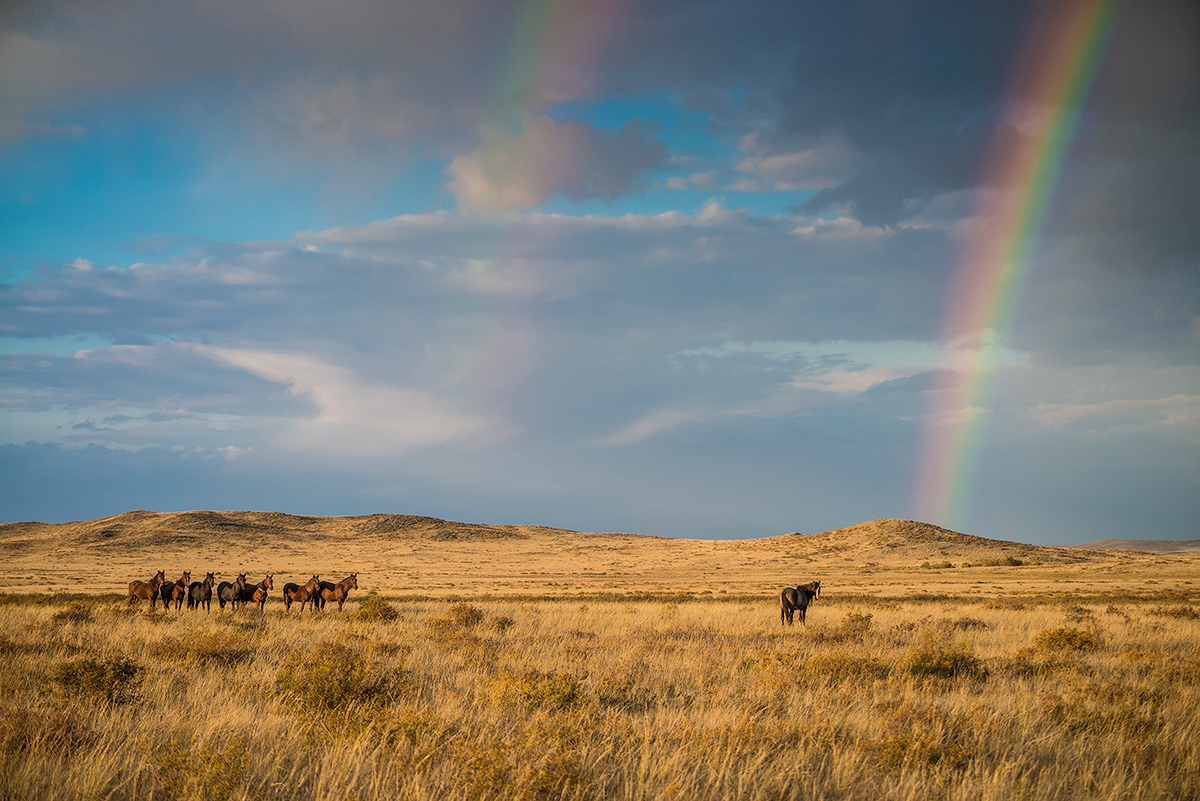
(1180, 413)
(511, 172)
(355, 417)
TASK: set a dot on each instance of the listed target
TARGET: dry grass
(526, 663)
(535, 699)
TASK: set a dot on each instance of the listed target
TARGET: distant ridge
(1175, 547)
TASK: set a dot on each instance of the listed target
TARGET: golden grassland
(564, 665)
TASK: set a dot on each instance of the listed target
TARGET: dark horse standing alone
(796, 599)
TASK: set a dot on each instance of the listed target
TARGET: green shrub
(374, 608)
(934, 659)
(117, 679)
(333, 678)
(937, 565)
(842, 667)
(209, 773)
(465, 615)
(76, 612)
(1067, 639)
(537, 690)
(1180, 611)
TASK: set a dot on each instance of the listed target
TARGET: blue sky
(674, 269)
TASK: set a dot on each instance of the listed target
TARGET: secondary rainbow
(1052, 86)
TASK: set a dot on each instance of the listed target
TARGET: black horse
(231, 593)
(201, 592)
(797, 599)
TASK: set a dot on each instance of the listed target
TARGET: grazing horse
(146, 590)
(328, 591)
(796, 599)
(173, 591)
(294, 592)
(231, 593)
(200, 592)
(258, 592)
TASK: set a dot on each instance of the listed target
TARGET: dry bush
(116, 678)
(333, 678)
(1067, 639)
(212, 771)
(373, 608)
(938, 660)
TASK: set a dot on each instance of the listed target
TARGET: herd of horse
(199, 594)
(318, 593)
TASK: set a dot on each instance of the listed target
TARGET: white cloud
(357, 417)
(763, 169)
(1180, 413)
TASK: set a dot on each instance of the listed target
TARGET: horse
(796, 599)
(231, 593)
(294, 592)
(258, 592)
(201, 592)
(146, 590)
(327, 591)
(173, 591)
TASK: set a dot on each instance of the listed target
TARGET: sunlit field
(953, 696)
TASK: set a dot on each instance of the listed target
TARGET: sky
(699, 269)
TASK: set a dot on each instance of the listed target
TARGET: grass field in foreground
(957, 697)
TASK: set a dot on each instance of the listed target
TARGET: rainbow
(1058, 71)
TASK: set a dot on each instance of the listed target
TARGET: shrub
(374, 608)
(841, 667)
(937, 565)
(501, 623)
(934, 659)
(537, 690)
(209, 773)
(117, 679)
(1066, 639)
(219, 647)
(465, 615)
(332, 678)
(1180, 611)
(76, 612)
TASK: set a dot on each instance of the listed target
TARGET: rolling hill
(413, 554)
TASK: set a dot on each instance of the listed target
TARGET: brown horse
(327, 591)
(146, 590)
(258, 592)
(173, 592)
(294, 592)
(796, 599)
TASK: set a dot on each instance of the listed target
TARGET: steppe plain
(520, 662)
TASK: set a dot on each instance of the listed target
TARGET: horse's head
(209, 578)
(241, 580)
(269, 582)
(313, 583)
(354, 581)
(186, 578)
(159, 578)
(816, 589)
